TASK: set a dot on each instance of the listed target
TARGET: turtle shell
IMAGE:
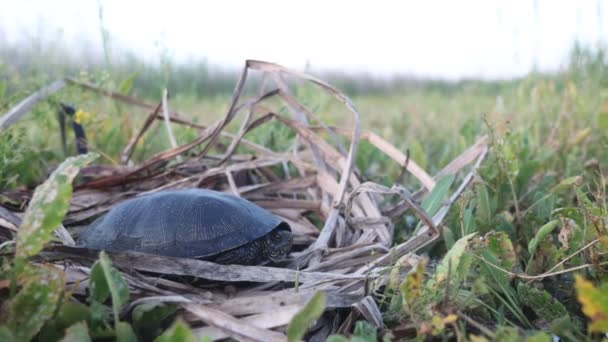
(192, 223)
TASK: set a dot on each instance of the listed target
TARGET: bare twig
(167, 121)
(28, 103)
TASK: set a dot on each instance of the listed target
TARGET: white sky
(447, 39)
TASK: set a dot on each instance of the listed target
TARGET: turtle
(192, 223)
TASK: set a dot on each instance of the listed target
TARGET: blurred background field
(434, 120)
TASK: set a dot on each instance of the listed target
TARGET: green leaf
(2, 89)
(452, 259)
(336, 338)
(36, 302)
(179, 332)
(6, 334)
(506, 334)
(98, 289)
(417, 153)
(541, 302)
(602, 121)
(302, 320)
(484, 207)
(77, 333)
(540, 336)
(502, 249)
(527, 170)
(571, 213)
(69, 314)
(100, 319)
(434, 200)
(566, 184)
(124, 333)
(583, 199)
(364, 332)
(541, 234)
(448, 237)
(469, 222)
(127, 84)
(495, 279)
(72, 312)
(147, 318)
(48, 206)
(117, 285)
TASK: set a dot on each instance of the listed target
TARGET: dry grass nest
(343, 226)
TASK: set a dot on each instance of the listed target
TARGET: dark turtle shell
(192, 223)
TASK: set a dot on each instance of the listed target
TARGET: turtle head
(279, 243)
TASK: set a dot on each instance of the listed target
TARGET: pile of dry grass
(349, 258)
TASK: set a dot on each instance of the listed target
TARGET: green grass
(528, 211)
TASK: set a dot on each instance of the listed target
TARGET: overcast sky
(447, 39)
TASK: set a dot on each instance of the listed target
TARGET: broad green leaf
(484, 208)
(566, 184)
(179, 332)
(418, 154)
(100, 321)
(527, 170)
(541, 235)
(98, 289)
(602, 120)
(77, 333)
(453, 259)
(507, 334)
(147, 318)
(495, 279)
(434, 200)
(72, 312)
(469, 128)
(6, 334)
(337, 338)
(547, 254)
(541, 302)
(565, 326)
(48, 206)
(364, 332)
(124, 333)
(302, 320)
(501, 247)
(127, 84)
(571, 213)
(117, 285)
(36, 302)
(594, 303)
(540, 336)
(469, 222)
(69, 313)
(583, 199)
(448, 237)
